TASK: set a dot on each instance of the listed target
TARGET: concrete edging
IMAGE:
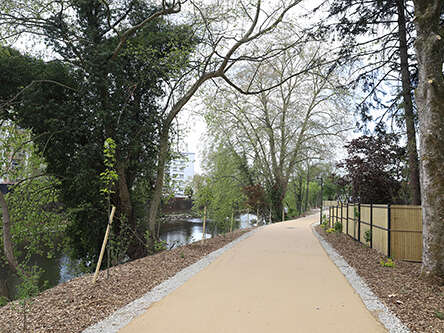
(370, 300)
(124, 315)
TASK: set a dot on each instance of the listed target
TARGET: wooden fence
(394, 230)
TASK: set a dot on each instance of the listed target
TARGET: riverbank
(77, 304)
(179, 217)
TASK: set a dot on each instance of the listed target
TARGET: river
(62, 268)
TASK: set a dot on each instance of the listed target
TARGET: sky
(194, 124)
(194, 139)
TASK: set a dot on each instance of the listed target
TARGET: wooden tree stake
(204, 224)
(105, 240)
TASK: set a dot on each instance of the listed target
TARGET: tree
(377, 38)
(221, 189)
(97, 93)
(29, 17)
(281, 128)
(188, 192)
(202, 192)
(218, 55)
(429, 45)
(295, 199)
(33, 221)
(202, 198)
(373, 168)
(218, 52)
(256, 199)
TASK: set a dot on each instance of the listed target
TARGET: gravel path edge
(124, 315)
(370, 300)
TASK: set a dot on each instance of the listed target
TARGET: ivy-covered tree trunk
(307, 189)
(408, 108)
(7, 241)
(157, 193)
(278, 191)
(430, 101)
(4, 291)
(125, 209)
(300, 196)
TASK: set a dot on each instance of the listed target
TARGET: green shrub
(439, 314)
(356, 211)
(160, 245)
(3, 301)
(338, 227)
(329, 231)
(368, 236)
(388, 263)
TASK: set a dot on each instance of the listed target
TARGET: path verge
(371, 301)
(418, 303)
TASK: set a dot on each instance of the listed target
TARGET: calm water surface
(62, 268)
(191, 230)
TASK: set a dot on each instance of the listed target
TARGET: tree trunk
(157, 195)
(430, 100)
(307, 189)
(124, 195)
(125, 207)
(295, 189)
(409, 115)
(300, 196)
(7, 240)
(277, 199)
(4, 291)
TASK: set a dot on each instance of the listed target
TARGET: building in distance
(181, 173)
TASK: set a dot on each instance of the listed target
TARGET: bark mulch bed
(418, 304)
(77, 304)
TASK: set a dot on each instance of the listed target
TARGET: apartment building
(181, 173)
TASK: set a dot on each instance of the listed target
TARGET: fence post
(388, 230)
(359, 222)
(341, 217)
(371, 225)
(329, 215)
(346, 228)
(337, 212)
(354, 221)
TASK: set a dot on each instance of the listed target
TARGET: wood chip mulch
(77, 304)
(419, 304)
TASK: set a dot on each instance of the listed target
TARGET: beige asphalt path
(278, 280)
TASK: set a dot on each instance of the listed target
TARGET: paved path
(278, 280)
